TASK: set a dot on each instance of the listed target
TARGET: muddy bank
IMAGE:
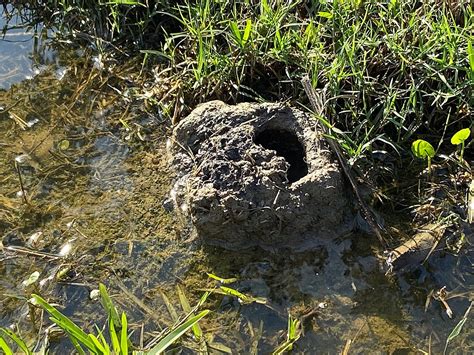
(256, 174)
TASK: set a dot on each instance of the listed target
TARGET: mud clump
(256, 174)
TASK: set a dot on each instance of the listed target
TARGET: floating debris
(31, 279)
(20, 194)
(416, 249)
(94, 295)
(33, 239)
(98, 63)
(32, 122)
(441, 296)
(60, 73)
(66, 248)
(22, 158)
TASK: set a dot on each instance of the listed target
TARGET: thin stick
(23, 192)
(318, 104)
(22, 250)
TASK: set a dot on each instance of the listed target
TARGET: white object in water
(33, 239)
(32, 122)
(94, 295)
(66, 248)
(22, 158)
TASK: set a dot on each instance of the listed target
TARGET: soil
(257, 174)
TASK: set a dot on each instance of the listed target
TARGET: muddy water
(83, 178)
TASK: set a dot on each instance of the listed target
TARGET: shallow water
(23, 52)
(90, 209)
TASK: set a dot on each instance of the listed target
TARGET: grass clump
(117, 341)
(389, 69)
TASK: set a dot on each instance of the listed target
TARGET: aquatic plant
(293, 334)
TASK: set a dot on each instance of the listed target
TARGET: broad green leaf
(460, 136)
(176, 333)
(422, 149)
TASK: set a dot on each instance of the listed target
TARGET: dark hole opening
(286, 145)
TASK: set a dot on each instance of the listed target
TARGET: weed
(293, 334)
(459, 138)
(423, 150)
(119, 342)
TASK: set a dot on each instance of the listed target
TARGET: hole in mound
(286, 145)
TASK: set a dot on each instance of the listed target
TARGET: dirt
(257, 174)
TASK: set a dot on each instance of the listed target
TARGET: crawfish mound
(256, 174)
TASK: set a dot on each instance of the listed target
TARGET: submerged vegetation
(397, 78)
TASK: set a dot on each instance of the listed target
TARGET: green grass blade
(124, 335)
(77, 346)
(125, 2)
(97, 344)
(221, 279)
(244, 298)
(64, 322)
(108, 304)
(114, 337)
(104, 343)
(4, 346)
(293, 334)
(169, 307)
(79, 335)
(18, 341)
(176, 333)
(457, 329)
(197, 331)
(470, 54)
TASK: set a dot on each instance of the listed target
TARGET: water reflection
(23, 51)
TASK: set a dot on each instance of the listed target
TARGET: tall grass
(391, 69)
